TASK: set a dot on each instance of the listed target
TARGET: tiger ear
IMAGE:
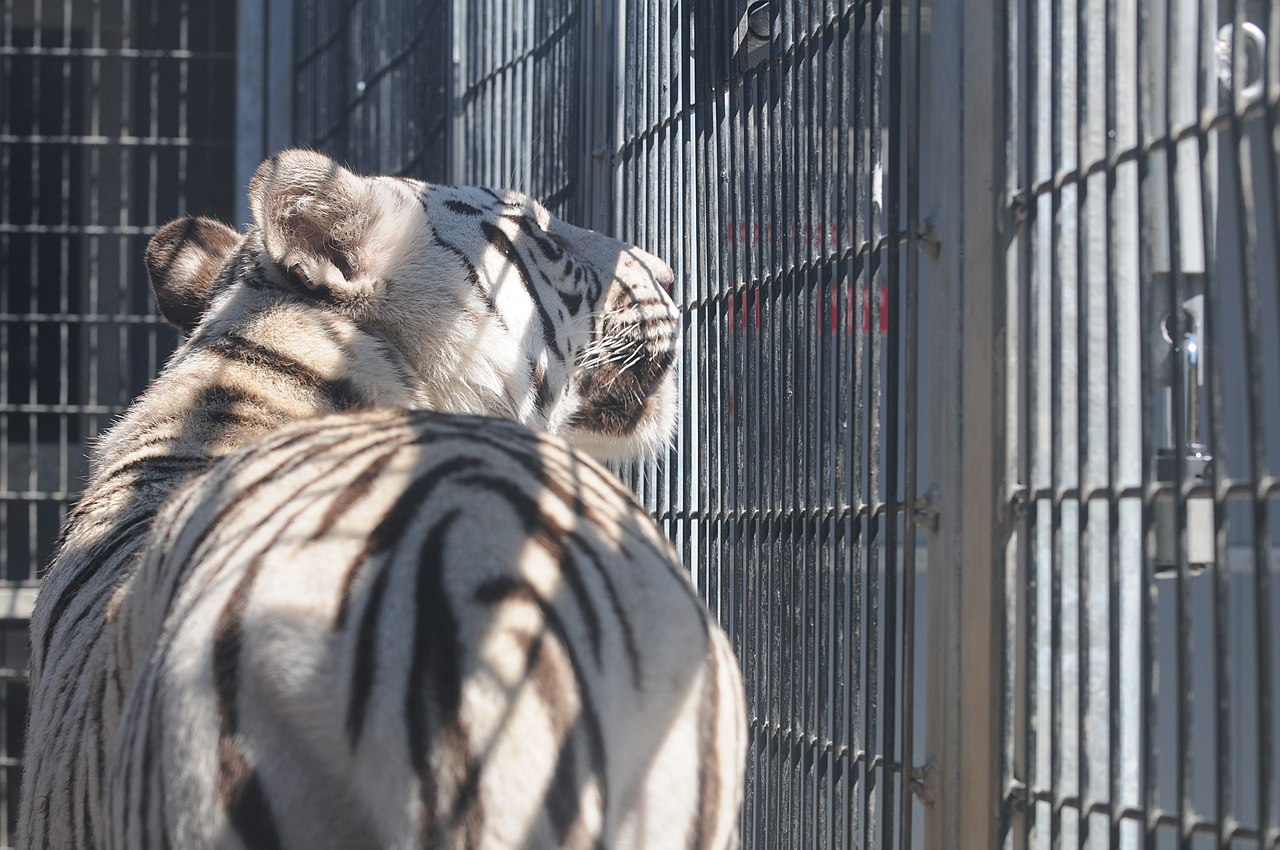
(315, 217)
(183, 260)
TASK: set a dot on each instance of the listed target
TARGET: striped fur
(290, 613)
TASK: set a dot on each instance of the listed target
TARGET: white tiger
(299, 607)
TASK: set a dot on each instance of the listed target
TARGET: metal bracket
(925, 511)
(923, 783)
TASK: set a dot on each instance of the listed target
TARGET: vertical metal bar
(1246, 236)
(33, 446)
(251, 68)
(892, 57)
(1182, 672)
(874, 479)
(910, 331)
(862, 68)
(8, 507)
(964, 720)
(280, 131)
(64, 300)
(766, 134)
(1223, 797)
(1056, 256)
(838, 761)
(1148, 722)
(1018, 811)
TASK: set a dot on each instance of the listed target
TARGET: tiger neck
(258, 363)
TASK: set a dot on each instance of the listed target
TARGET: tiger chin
(344, 577)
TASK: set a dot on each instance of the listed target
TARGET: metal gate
(1138, 250)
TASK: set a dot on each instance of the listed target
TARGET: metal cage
(976, 456)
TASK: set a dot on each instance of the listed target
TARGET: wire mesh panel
(766, 149)
(109, 125)
(372, 83)
(1142, 301)
(113, 119)
(520, 100)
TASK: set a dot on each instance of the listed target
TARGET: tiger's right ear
(183, 261)
(316, 219)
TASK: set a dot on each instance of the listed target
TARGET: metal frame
(963, 780)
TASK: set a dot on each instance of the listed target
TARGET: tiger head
(490, 304)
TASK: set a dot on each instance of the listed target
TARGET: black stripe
(709, 791)
(385, 537)
(503, 244)
(473, 278)
(93, 560)
(366, 658)
(532, 516)
(495, 590)
(549, 249)
(239, 785)
(390, 529)
(463, 208)
(572, 300)
(436, 655)
(216, 405)
(339, 392)
(436, 642)
(251, 816)
(563, 797)
(541, 392)
(629, 644)
(352, 493)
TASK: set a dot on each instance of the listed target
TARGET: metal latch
(1178, 355)
(754, 33)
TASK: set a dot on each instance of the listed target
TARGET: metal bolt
(927, 240)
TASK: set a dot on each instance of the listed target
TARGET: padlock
(1179, 353)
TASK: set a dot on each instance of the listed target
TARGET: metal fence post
(961, 202)
(264, 89)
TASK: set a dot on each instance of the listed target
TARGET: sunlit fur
(359, 298)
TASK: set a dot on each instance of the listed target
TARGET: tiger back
(304, 603)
